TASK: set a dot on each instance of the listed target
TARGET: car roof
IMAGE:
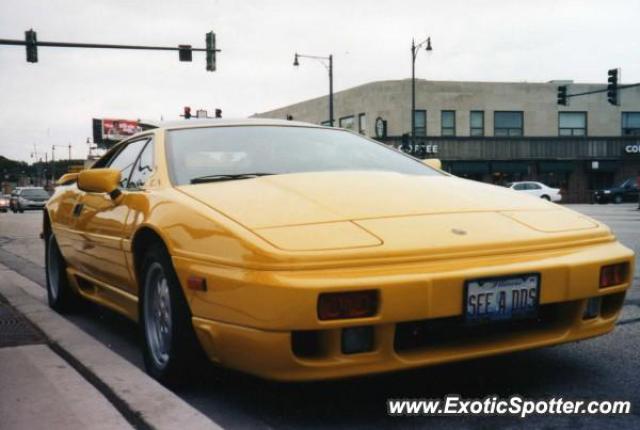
(220, 122)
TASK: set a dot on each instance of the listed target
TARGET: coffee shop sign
(632, 149)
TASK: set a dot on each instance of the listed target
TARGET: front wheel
(60, 294)
(617, 199)
(170, 346)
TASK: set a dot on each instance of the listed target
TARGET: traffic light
(562, 95)
(612, 87)
(31, 43)
(211, 51)
(187, 112)
(184, 52)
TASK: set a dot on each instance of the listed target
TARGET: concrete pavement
(39, 390)
(73, 381)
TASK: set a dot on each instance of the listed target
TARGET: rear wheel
(170, 346)
(617, 199)
(546, 197)
(60, 294)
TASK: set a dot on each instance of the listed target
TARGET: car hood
(335, 210)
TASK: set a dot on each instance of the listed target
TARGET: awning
(510, 167)
(467, 167)
(556, 166)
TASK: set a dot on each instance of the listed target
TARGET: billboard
(108, 131)
(118, 129)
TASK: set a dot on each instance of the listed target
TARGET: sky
(52, 102)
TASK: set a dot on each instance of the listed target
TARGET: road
(598, 369)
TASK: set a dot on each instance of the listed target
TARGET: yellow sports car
(297, 252)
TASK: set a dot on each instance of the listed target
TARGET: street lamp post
(53, 160)
(327, 62)
(414, 54)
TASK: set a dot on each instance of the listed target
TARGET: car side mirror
(101, 180)
(433, 162)
(67, 178)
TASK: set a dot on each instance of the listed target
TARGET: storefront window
(448, 123)
(572, 123)
(476, 120)
(630, 123)
(420, 119)
(508, 123)
(347, 122)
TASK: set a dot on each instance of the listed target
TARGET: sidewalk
(39, 390)
(55, 376)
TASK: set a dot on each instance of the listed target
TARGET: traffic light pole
(32, 43)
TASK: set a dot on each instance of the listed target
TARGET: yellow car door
(102, 222)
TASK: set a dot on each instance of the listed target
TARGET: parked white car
(538, 189)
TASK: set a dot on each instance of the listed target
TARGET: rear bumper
(246, 318)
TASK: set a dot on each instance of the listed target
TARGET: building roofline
(422, 81)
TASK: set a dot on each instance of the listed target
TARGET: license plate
(502, 298)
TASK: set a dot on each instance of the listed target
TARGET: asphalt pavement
(604, 368)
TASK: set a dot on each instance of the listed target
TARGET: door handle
(77, 209)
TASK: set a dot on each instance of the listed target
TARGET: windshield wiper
(217, 178)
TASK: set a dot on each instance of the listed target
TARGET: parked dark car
(626, 191)
(28, 198)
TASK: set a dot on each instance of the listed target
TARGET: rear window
(34, 194)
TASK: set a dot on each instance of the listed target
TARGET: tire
(60, 295)
(545, 197)
(617, 199)
(170, 348)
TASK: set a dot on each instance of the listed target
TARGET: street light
(327, 62)
(414, 53)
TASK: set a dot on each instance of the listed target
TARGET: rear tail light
(357, 304)
(614, 274)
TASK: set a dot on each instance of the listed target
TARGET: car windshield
(627, 182)
(239, 152)
(34, 194)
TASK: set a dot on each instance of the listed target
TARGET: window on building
(572, 123)
(630, 123)
(347, 122)
(507, 123)
(448, 122)
(362, 123)
(420, 120)
(476, 122)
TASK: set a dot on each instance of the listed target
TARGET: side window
(535, 186)
(125, 160)
(143, 168)
(519, 187)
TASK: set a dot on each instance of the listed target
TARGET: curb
(140, 399)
